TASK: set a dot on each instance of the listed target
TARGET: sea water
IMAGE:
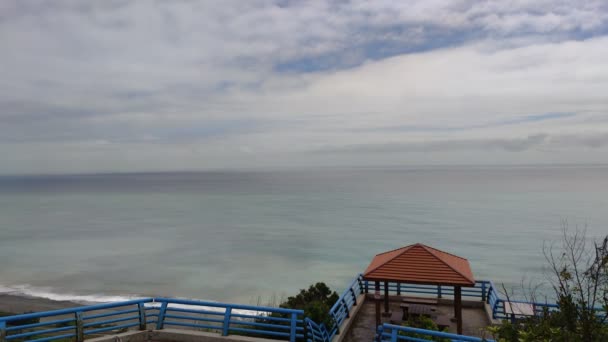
(256, 237)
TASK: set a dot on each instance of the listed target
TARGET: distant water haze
(249, 236)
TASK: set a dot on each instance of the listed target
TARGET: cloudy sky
(97, 86)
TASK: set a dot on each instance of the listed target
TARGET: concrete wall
(174, 335)
(198, 336)
(129, 336)
(349, 321)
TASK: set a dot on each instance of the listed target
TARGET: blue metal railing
(484, 290)
(497, 304)
(341, 310)
(75, 323)
(480, 290)
(231, 318)
(316, 332)
(394, 333)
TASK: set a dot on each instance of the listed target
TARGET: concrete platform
(174, 335)
(363, 327)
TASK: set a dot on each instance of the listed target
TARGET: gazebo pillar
(458, 308)
(386, 309)
(377, 302)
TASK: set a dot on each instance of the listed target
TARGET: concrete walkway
(363, 328)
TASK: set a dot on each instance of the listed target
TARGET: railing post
(379, 332)
(394, 335)
(3, 331)
(398, 289)
(366, 286)
(336, 322)
(354, 296)
(360, 284)
(79, 327)
(324, 332)
(161, 315)
(226, 321)
(142, 316)
(494, 307)
(294, 323)
(483, 291)
(346, 307)
(439, 294)
(307, 328)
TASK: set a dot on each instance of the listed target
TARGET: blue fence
(497, 304)
(231, 318)
(76, 323)
(316, 332)
(481, 290)
(394, 333)
(341, 310)
(226, 319)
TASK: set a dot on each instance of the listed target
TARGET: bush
(316, 302)
(579, 277)
(422, 322)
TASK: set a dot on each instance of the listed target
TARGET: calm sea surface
(246, 235)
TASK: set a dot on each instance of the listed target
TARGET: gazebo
(421, 264)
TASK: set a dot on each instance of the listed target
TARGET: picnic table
(418, 310)
(419, 300)
(514, 309)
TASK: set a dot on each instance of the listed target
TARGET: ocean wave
(25, 290)
(48, 293)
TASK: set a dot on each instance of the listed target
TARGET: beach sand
(22, 304)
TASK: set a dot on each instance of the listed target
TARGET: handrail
(74, 310)
(480, 290)
(398, 333)
(222, 305)
(316, 332)
(257, 320)
(76, 326)
(260, 320)
(340, 311)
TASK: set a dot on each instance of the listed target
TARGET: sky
(119, 86)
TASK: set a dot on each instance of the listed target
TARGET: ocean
(257, 237)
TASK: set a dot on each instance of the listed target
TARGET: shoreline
(23, 304)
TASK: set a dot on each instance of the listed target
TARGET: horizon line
(311, 168)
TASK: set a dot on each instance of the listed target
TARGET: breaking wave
(47, 293)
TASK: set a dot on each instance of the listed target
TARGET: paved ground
(362, 329)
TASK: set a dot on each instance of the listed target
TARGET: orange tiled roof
(420, 264)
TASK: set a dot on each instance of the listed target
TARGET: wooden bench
(396, 318)
(418, 300)
(443, 322)
(418, 310)
(519, 309)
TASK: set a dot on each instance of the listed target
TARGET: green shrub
(580, 281)
(422, 322)
(316, 302)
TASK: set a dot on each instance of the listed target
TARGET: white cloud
(220, 84)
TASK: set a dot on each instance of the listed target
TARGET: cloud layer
(140, 85)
